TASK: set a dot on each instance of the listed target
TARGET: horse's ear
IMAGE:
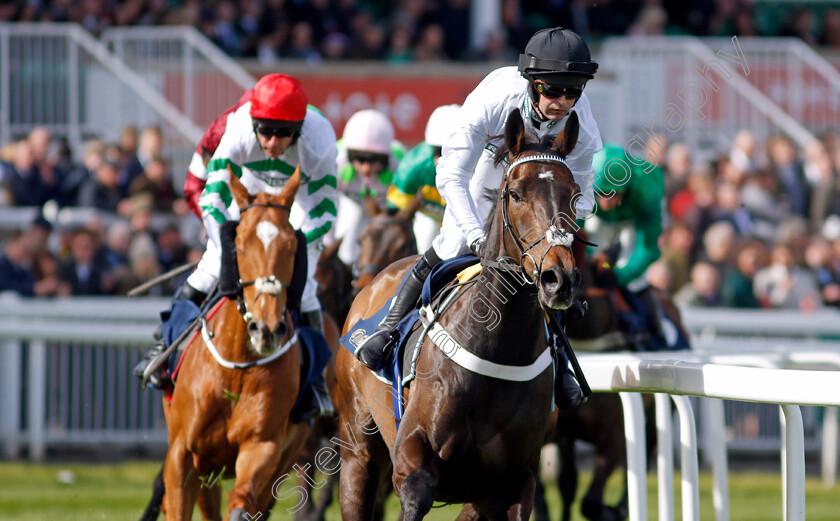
(407, 213)
(567, 138)
(331, 251)
(240, 193)
(287, 195)
(514, 133)
(372, 208)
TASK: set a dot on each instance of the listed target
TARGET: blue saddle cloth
(392, 372)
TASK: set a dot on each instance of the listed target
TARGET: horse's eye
(515, 196)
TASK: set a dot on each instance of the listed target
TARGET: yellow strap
(469, 272)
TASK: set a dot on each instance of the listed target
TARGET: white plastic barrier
(629, 375)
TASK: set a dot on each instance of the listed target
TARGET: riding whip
(160, 279)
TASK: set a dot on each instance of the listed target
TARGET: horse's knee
(417, 494)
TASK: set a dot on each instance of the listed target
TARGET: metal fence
(65, 374)
(699, 92)
(183, 66)
(59, 76)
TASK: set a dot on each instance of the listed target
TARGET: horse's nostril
(549, 279)
(253, 327)
(281, 330)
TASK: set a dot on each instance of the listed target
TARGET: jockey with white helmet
(546, 87)
(263, 142)
(367, 157)
(416, 173)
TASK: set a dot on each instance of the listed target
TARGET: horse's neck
(230, 335)
(499, 318)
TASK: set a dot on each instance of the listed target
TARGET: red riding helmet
(279, 97)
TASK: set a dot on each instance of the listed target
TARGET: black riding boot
(319, 397)
(160, 379)
(375, 350)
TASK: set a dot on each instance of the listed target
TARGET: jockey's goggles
(555, 91)
(357, 156)
(280, 129)
(437, 151)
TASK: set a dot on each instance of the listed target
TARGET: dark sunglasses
(366, 157)
(274, 131)
(555, 91)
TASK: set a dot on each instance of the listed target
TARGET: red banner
(407, 101)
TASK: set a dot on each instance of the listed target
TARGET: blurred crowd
(430, 30)
(754, 226)
(757, 226)
(129, 223)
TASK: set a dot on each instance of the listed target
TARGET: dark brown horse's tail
(153, 508)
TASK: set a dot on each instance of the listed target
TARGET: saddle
(439, 290)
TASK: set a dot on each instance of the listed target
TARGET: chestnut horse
(467, 437)
(235, 421)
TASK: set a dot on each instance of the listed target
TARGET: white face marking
(546, 175)
(267, 231)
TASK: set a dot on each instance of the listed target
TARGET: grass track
(117, 492)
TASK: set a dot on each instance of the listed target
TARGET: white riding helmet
(370, 131)
(440, 125)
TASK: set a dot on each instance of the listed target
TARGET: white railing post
(716, 448)
(793, 463)
(10, 392)
(634, 432)
(688, 459)
(829, 447)
(664, 456)
(37, 399)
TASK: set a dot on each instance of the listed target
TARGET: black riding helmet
(557, 56)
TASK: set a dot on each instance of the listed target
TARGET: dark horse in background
(467, 437)
(600, 421)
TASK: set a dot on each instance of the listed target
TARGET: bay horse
(235, 421)
(386, 239)
(599, 421)
(466, 437)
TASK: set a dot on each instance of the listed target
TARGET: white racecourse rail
(629, 375)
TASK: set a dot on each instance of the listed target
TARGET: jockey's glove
(478, 244)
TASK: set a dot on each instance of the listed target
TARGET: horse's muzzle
(557, 287)
(264, 340)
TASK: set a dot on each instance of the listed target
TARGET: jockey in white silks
(547, 86)
(367, 158)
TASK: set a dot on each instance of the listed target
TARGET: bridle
(268, 285)
(554, 235)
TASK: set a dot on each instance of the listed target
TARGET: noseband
(269, 285)
(554, 236)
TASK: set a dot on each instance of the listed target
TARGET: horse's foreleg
(365, 466)
(520, 504)
(153, 508)
(415, 476)
(210, 501)
(568, 479)
(181, 481)
(540, 506)
(256, 465)
(607, 458)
